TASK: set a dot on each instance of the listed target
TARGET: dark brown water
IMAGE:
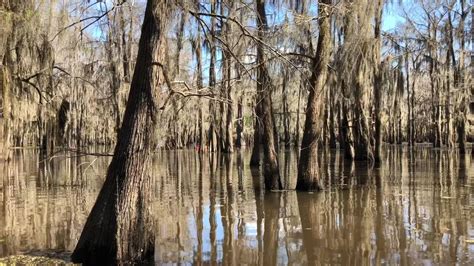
(418, 208)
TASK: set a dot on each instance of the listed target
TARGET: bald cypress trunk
(378, 85)
(228, 117)
(257, 135)
(344, 137)
(114, 78)
(362, 150)
(461, 120)
(434, 83)
(264, 88)
(212, 133)
(11, 19)
(358, 49)
(117, 229)
(308, 177)
(258, 110)
(240, 124)
(5, 83)
(286, 112)
(198, 51)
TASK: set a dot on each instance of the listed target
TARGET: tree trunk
(412, 103)
(360, 126)
(398, 99)
(5, 84)
(117, 229)
(114, 79)
(450, 61)
(308, 177)
(286, 113)
(271, 171)
(332, 119)
(228, 141)
(359, 77)
(346, 139)
(174, 140)
(434, 82)
(124, 46)
(297, 126)
(240, 124)
(212, 137)
(5, 80)
(257, 133)
(198, 52)
(228, 144)
(378, 84)
(461, 121)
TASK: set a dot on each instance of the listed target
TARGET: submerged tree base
(308, 186)
(105, 256)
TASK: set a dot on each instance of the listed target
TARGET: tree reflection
(415, 208)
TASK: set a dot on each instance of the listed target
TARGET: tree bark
(308, 177)
(212, 133)
(409, 97)
(114, 78)
(199, 83)
(174, 139)
(240, 124)
(271, 171)
(124, 47)
(434, 82)
(362, 151)
(297, 125)
(227, 135)
(461, 121)
(5, 84)
(286, 112)
(332, 119)
(397, 132)
(5, 81)
(450, 60)
(378, 84)
(117, 229)
(257, 134)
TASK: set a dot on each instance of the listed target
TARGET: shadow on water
(416, 207)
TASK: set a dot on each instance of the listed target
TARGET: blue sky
(391, 17)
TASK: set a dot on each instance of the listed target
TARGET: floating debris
(447, 197)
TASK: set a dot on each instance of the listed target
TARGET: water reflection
(416, 208)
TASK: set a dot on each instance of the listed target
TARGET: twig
(95, 19)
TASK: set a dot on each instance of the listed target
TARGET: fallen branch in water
(78, 153)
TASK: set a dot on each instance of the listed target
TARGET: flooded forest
(254, 132)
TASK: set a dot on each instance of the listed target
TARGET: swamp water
(417, 208)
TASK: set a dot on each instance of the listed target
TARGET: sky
(391, 17)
